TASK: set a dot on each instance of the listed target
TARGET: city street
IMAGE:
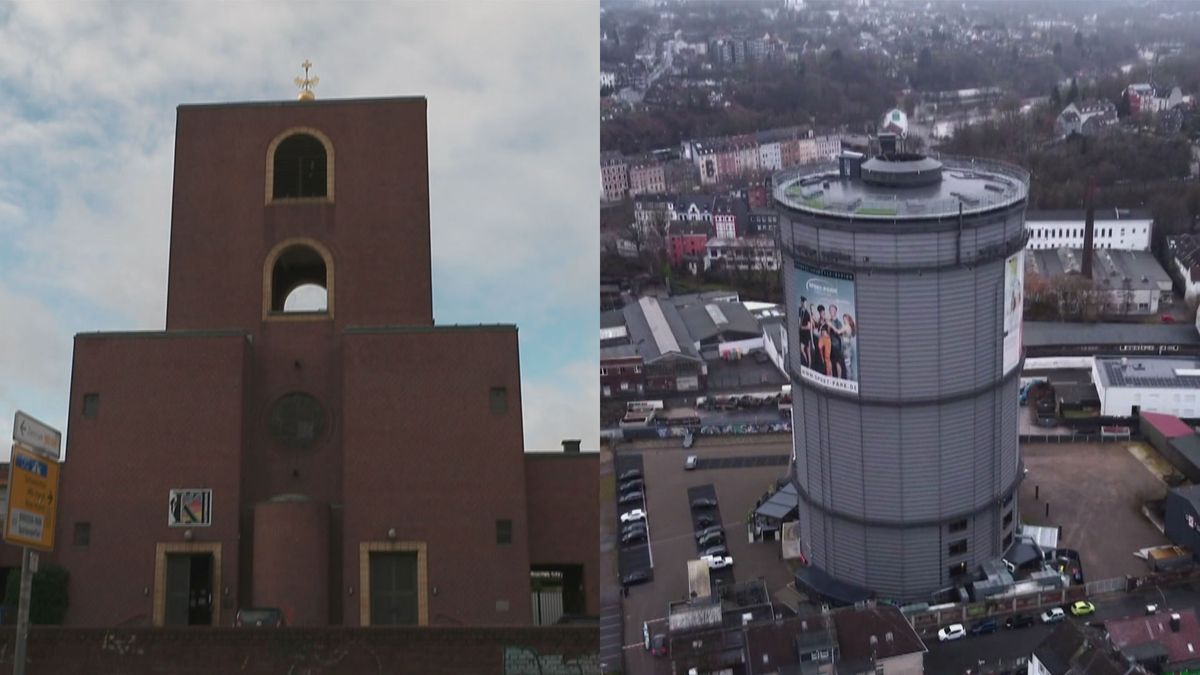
(960, 655)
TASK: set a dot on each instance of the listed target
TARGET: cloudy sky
(88, 92)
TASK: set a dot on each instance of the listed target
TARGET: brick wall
(308, 651)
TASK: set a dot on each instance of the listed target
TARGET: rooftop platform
(975, 185)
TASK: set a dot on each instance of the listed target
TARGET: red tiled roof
(1168, 425)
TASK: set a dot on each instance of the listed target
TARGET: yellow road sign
(32, 500)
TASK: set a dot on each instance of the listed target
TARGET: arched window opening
(299, 278)
(300, 168)
(307, 298)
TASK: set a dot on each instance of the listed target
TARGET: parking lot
(672, 540)
(1095, 492)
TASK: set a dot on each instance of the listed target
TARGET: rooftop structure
(1060, 338)
(902, 187)
(1173, 634)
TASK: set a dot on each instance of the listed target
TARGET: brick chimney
(1088, 229)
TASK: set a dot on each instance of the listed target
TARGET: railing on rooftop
(787, 189)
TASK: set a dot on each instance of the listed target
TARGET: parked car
(630, 537)
(1167, 318)
(658, 645)
(705, 519)
(716, 562)
(952, 632)
(984, 627)
(718, 550)
(703, 503)
(632, 473)
(638, 577)
(631, 516)
(631, 497)
(1053, 615)
(1082, 608)
(707, 530)
(689, 463)
(1019, 621)
(635, 484)
(711, 538)
(260, 616)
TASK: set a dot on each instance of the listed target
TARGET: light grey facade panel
(882, 480)
(957, 456)
(920, 334)
(878, 334)
(1009, 428)
(957, 347)
(844, 442)
(919, 451)
(986, 449)
(849, 551)
(989, 322)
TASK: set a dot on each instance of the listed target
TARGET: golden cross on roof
(306, 83)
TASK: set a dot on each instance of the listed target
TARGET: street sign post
(32, 507)
(37, 436)
(32, 500)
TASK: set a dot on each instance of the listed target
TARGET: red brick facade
(416, 448)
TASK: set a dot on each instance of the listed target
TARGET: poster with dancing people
(827, 328)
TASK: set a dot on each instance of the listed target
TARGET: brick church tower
(346, 460)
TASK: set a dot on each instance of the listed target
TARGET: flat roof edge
(448, 328)
(161, 334)
(294, 102)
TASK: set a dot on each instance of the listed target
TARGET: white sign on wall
(189, 508)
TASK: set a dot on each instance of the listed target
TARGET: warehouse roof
(1056, 333)
(1164, 373)
(1169, 426)
(1080, 215)
(1112, 269)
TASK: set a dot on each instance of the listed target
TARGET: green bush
(48, 599)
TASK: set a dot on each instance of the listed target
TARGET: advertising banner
(1014, 304)
(827, 326)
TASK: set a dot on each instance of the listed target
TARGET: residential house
(687, 242)
(646, 176)
(878, 641)
(1088, 118)
(1183, 251)
(614, 176)
(652, 210)
(746, 254)
(1068, 651)
(1164, 642)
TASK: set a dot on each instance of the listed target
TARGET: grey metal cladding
(876, 299)
(920, 332)
(882, 479)
(919, 447)
(958, 457)
(849, 551)
(843, 426)
(957, 338)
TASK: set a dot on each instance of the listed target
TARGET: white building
(1127, 386)
(1125, 229)
(743, 253)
